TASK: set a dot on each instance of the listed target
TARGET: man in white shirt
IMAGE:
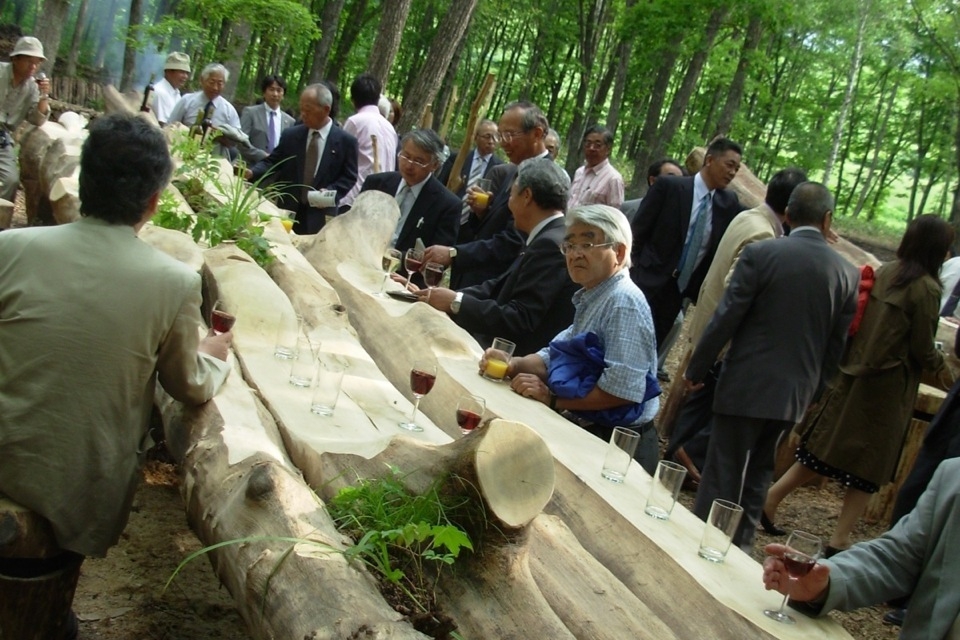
(366, 124)
(207, 103)
(166, 93)
(597, 182)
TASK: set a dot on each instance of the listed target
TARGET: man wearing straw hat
(166, 93)
(22, 97)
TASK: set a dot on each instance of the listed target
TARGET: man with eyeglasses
(531, 302)
(477, 164)
(611, 315)
(597, 182)
(492, 241)
(428, 210)
(208, 104)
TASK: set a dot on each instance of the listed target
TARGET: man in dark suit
(263, 123)
(427, 209)
(659, 169)
(312, 192)
(785, 314)
(677, 229)
(478, 162)
(532, 302)
(495, 240)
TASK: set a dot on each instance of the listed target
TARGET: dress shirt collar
(484, 159)
(584, 296)
(415, 189)
(324, 130)
(540, 225)
(276, 111)
(597, 168)
(700, 190)
(807, 227)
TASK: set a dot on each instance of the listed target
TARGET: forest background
(862, 94)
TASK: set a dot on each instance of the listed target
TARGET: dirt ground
(122, 596)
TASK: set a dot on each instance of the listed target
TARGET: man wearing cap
(166, 93)
(22, 97)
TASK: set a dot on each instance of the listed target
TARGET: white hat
(28, 46)
(177, 61)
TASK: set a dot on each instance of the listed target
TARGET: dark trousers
(695, 422)
(739, 468)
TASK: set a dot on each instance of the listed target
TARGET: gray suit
(253, 121)
(919, 554)
(785, 314)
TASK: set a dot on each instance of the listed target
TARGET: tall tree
(329, 22)
(74, 53)
(735, 94)
(449, 33)
(131, 44)
(50, 28)
(393, 18)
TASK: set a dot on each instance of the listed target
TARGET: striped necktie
(688, 261)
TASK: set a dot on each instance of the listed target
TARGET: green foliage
(399, 534)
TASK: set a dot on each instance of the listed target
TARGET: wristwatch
(453, 252)
(455, 303)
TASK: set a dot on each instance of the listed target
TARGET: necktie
(271, 135)
(208, 110)
(476, 172)
(310, 164)
(688, 261)
(405, 202)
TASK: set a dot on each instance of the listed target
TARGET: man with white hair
(611, 315)
(22, 97)
(208, 104)
(166, 93)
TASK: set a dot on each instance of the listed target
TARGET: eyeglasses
(489, 136)
(406, 158)
(582, 247)
(593, 144)
(510, 135)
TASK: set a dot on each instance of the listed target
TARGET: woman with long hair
(856, 432)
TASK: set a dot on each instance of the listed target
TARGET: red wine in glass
(467, 420)
(433, 274)
(799, 558)
(422, 382)
(423, 375)
(470, 412)
(412, 262)
(220, 320)
(798, 564)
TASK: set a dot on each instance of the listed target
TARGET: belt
(643, 428)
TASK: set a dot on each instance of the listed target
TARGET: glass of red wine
(412, 262)
(220, 320)
(803, 550)
(469, 412)
(423, 375)
(432, 275)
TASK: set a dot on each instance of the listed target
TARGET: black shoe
(73, 627)
(769, 527)
(895, 617)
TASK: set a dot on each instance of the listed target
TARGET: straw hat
(28, 46)
(177, 61)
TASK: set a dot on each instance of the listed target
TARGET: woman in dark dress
(856, 433)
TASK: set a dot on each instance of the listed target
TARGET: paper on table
(322, 199)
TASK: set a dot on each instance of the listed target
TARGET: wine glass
(422, 377)
(220, 320)
(469, 412)
(432, 275)
(412, 262)
(391, 262)
(803, 550)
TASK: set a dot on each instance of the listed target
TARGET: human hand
(812, 586)
(531, 386)
(438, 253)
(690, 385)
(43, 85)
(495, 354)
(399, 279)
(216, 345)
(438, 298)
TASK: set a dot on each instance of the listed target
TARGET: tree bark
(735, 95)
(329, 22)
(448, 36)
(645, 145)
(130, 46)
(74, 54)
(50, 29)
(393, 18)
(358, 13)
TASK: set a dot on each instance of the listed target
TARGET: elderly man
(316, 162)
(495, 241)
(166, 93)
(531, 302)
(611, 313)
(80, 367)
(208, 104)
(23, 98)
(688, 442)
(552, 142)
(263, 123)
(785, 315)
(478, 163)
(428, 211)
(677, 230)
(597, 182)
(365, 125)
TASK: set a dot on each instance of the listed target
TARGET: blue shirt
(618, 313)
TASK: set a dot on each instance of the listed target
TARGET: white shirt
(599, 184)
(415, 190)
(324, 133)
(165, 98)
(361, 125)
(190, 105)
(949, 275)
(540, 225)
(276, 122)
(700, 191)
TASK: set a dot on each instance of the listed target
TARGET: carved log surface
(655, 560)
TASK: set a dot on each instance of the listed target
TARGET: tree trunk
(852, 74)
(50, 29)
(645, 151)
(71, 69)
(351, 29)
(750, 42)
(130, 47)
(329, 22)
(448, 36)
(393, 18)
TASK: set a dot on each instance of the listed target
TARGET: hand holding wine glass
(799, 556)
(423, 375)
(390, 262)
(412, 262)
(220, 320)
(432, 275)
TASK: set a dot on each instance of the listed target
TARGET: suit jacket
(629, 209)
(748, 227)
(434, 216)
(785, 314)
(79, 368)
(444, 175)
(659, 233)
(918, 556)
(529, 304)
(253, 121)
(488, 246)
(337, 171)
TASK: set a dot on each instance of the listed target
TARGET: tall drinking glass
(391, 262)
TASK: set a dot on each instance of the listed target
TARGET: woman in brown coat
(856, 433)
